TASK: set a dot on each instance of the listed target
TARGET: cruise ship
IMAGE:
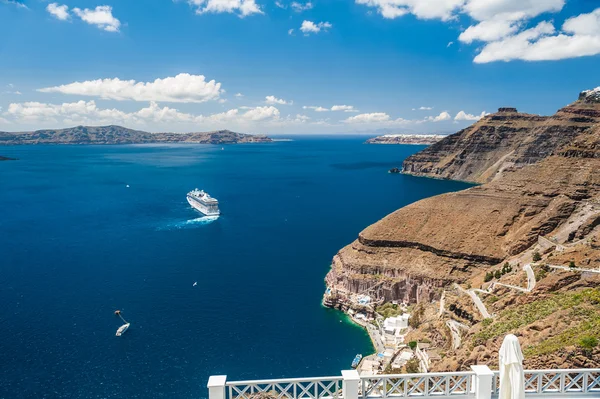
(203, 202)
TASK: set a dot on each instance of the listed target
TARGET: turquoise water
(77, 244)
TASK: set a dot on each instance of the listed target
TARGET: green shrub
(412, 366)
(412, 345)
(571, 264)
(537, 257)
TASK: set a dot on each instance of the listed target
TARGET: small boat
(122, 329)
(195, 284)
(356, 361)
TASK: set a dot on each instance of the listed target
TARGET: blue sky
(322, 66)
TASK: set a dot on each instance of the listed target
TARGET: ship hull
(201, 208)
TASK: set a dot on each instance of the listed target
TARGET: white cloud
(275, 100)
(430, 9)
(280, 5)
(463, 116)
(181, 88)
(239, 95)
(345, 108)
(82, 112)
(262, 113)
(368, 118)
(243, 8)
(449, 44)
(15, 3)
(290, 32)
(424, 108)
(513, 10)
(58, 11)
(308, 27)
(443, 116)
(299, 7)
(489, 30)
(316, 108)
(503, 26)
(101, 16)
(580, 37)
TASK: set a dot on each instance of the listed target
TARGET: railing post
(350, 384)
(483, 381)
(216, 387)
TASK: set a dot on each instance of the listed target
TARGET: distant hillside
(121, 135)
(420, 139)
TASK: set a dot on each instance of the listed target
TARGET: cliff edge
(540, 194)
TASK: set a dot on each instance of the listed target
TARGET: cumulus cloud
(275, 100)
(345, 108)
(58, 11)
(290, 32)
(239, 95)
(242, 8)
(299, 7)
(580, 37)
(463, 116)
(87, 112)
(375, 117)
(489, 30)
(309, 27)
(101, 16)
(503, 25)
(482, 10)
(316, 108)
(181, 88)
(436, 9)
(443, 116)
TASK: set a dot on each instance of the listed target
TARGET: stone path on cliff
(574, 269)
(476, 300)
(454, 326)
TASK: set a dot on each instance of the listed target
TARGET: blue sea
(87, 230)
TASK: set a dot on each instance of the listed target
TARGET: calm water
(76, 244)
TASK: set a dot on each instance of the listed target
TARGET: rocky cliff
(121, 135)
(541, 180)
(504, 141)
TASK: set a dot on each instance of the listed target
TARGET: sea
(87, 230)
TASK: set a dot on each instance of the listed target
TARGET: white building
(394, 328)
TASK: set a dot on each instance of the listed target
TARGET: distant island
(417, 139)
(6, 158)
(121, 135)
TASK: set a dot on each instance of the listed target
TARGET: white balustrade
(558, 382)
(455, 384)
(480, 383)
(295, 388)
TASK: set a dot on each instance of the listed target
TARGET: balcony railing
(480, 383)
(457, 384)
(564, 382)
(296, 388)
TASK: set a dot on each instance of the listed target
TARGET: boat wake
(190, 224)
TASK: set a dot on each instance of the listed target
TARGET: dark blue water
(76, 244)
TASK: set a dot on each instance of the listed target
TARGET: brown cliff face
(540, 171)
(503, 141)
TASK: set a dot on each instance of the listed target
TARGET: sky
(280, 66)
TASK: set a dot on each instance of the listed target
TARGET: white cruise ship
(203, 202)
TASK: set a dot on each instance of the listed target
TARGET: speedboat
(356, 361)
(122, 329)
